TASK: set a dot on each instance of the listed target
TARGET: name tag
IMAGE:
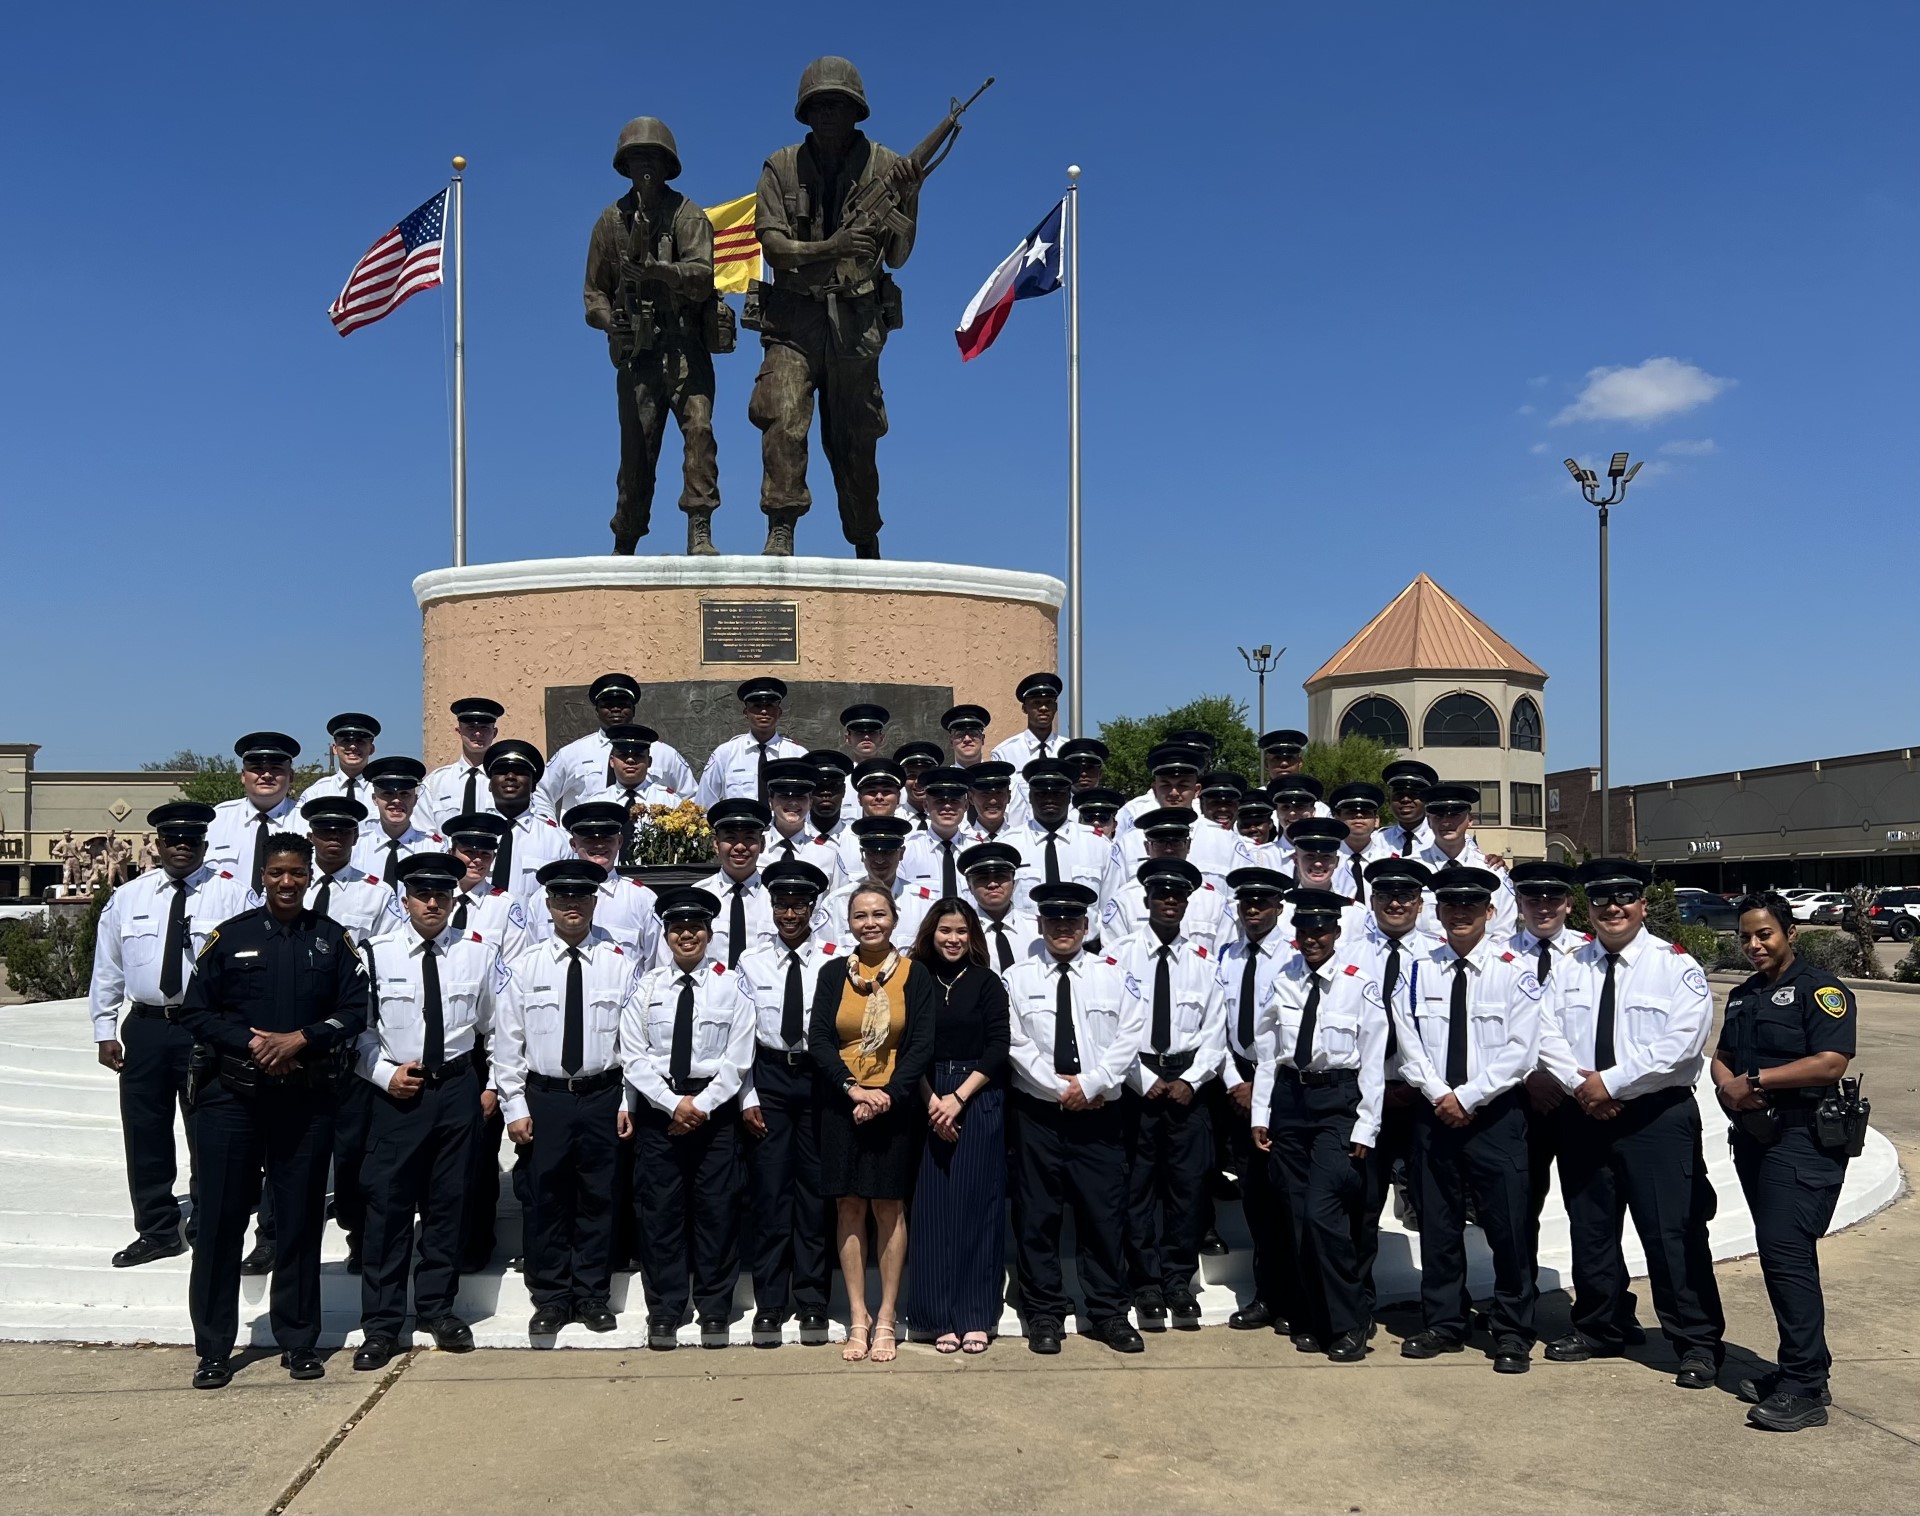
(249, 953)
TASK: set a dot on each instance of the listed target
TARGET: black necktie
(1303, 1044)
(176, 941)
(1248, 977)
(1356, 866)
(467, 807)
(1457, 1027)
(787, 843)
(1389, 982)
(633, 797)
(736, 927)
(433, 1052)
(760, 780)
(1544, 966)
(460, 915)
(1162, 1000)
(1002, 949)
(259, 850)
(1603, 1025)
(949, 886)
(1066, 1045)
(680, 1059)
(573, 1037)
(503, 860)
(393, 862)
(793, 1009)
(1053, 858)
(321, 900)
(348, 791)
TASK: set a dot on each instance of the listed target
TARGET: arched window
(1525, 727)
(1461, 720)
(1377, 717)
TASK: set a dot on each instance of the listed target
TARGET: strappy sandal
(858, 1343)
(947, 1342)
(974, 1343)
(888, 1353)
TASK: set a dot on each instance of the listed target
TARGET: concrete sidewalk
(1210, 1421)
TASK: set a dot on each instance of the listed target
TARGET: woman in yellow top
(871, 1032)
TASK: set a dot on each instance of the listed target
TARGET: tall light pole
(1619, 476)
(1262, 661)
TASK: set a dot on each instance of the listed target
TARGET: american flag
(404, 261)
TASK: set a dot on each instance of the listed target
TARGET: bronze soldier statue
(649, 287)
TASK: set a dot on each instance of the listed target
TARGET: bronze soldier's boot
(700, 535)
(779, 535)
(868, 549)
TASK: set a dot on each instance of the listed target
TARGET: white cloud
(1525, 410)
(1682, 447)
(1538, 447)
(1539, 381)
(1650, 391)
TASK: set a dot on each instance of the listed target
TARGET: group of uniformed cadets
(1211, 975)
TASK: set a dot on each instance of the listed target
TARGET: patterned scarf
(877, 1020)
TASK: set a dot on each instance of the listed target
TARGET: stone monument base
(916, 637)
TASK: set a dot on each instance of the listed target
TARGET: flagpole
(459, 364)
(1073, 451)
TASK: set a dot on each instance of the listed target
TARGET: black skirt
(876, 1160)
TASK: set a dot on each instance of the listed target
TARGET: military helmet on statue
(831, 76)
(646, 131)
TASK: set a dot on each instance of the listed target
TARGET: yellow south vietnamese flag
(736, 251)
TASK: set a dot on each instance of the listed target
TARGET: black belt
(244, 1076)
(1169, 1065)
(1319, 1079)
(689, 1086)
(165, 1012)
(575, 1084)
(800, 1060)
(1796, 1115)
(459, 1063)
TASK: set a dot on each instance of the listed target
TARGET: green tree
(213, 778)
(52, 959)
(1130, 738)
(1351, 760)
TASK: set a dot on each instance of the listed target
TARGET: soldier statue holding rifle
(835, 213)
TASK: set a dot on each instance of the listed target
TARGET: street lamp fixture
(1619, 476)
(1262, 661)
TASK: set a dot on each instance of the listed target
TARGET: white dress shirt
(231, 833)
(365, 904)
(912, 902)
(1372, 949)
(924, 861)
(755, 901)
(1503, 1022)
(443, 794)
(1208, 918)
(1213, 849)
(1021, 930)
(1079, 850)
(722, 1035)
(129, 950)
(1230, 970)
(530, 1019)
(1562, 946)
(372, 853)
(1109, 1025)
(1196, 1020)
(822, 850)
(579, 769)
(497, 915)
(733, 772)
(1407, 844)
(1506, 913)
(471, 975)
(625, 910)
(1350, 873)
(1662, 1015)
(537, 841)
(355, 788)
(647, 794)
(763, 979)
(1349, 1032)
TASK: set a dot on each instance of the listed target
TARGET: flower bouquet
(665, 837)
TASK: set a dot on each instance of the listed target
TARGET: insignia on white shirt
(1371, 991)
(1528, 985)
(1694, 980)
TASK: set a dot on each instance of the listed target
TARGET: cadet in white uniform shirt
(1076, 1029)
(877, 787)
(834, 803)
(460, 788)
(990, 869)
(1054, 847)
(790, 786)
(352, 735)
(863, 736)
(789, 1253)
(990, 814)
(530, 839)
(686, 1041)
(237, 836)
(1254, 821)
(1316, 842)
(1450, 814)
(1281, 755)
(578, 771)
(391, 833)
(1039, 697)
(1316, 1108)
(1163, 833)
(1173, 784)
(1469, 1031)
(362, 902)
(150, 932)
(933, 856)
(479, 905)
(882, 843)
(624, 909)
(1407, 782)
(1624, 1029)
(1169, 1130)
(556, 1065)
(746, 915)
(736, 769)
(916, 761)
(434, 988)
(1358, 807)
(628, 774)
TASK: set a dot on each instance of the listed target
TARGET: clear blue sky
(1349, 274)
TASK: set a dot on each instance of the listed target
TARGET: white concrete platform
(64, 1211)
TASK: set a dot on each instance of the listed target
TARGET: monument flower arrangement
(670, 834)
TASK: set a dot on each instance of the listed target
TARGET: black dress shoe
(1430, 1344)
(451, 1334)
(213, 1374)
(146, 1250)
(1698, 1371)
(1184, 1310)
(1512, 1355)
(713, 1332)
(1348, 1347)
(548, 1319)
(303, 1363)
(596, 1316)
(663, 1334)
(1211, 1245)
(1150, 1311)
(1788, 1413)
(1044, 1337)
(375, 1353)
(813, 1329)
(1753, 1391)
(1251, 1317)
(1632, 1335)
(767, 1328)
(1122, 1338)
(1577, 1347)
(259, 1261)
(1307, 1342)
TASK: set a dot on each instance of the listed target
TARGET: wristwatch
(1753, 1081)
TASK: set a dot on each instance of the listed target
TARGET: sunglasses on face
(990, 877)
(1401, 892)
(1615, 897)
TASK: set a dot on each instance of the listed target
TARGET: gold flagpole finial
(459, 164)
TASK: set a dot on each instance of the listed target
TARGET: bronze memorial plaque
(749, 631)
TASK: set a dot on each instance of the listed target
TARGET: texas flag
(1032, 268)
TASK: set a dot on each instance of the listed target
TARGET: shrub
(1729, 955)
(1701, 941)
(52, 959)
(1836, 952)
(1907, 970)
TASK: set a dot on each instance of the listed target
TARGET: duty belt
(575, 1084)
(244, 1076)
(689, 1086)
(800, 1060)
(1319, 1079)
(459, 1063)
(1169, 1065)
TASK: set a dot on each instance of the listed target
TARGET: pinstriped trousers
(957, 1250)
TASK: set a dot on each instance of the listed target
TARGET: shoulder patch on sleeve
(1694, 980)
(719, 968)
(207, 947)
(1833, 1000)
(1528, 985)
(1353, 968)
(1200, 950)
(829, 948)
(373, 879)
(1506, 958)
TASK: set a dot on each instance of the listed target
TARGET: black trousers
(1311, 1129)
(1487, 1159)
(153, 1085)
(1169, 1152)
(1543, 1150)
(1399, 1114)
(352, 1122)
(1265, 1207)
(686, 1201)
(569, 1182)
(1646, 1161)
(1072, 1159)
(789, 1250)
(417, 1156)
(478, 1236)
(288, 1133)
(1792, 1189)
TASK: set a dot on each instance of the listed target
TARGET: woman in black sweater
(956, 1289)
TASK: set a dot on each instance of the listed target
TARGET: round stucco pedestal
(916, 637)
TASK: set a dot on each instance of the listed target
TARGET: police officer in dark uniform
(1788, 1037)
(278, 996)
